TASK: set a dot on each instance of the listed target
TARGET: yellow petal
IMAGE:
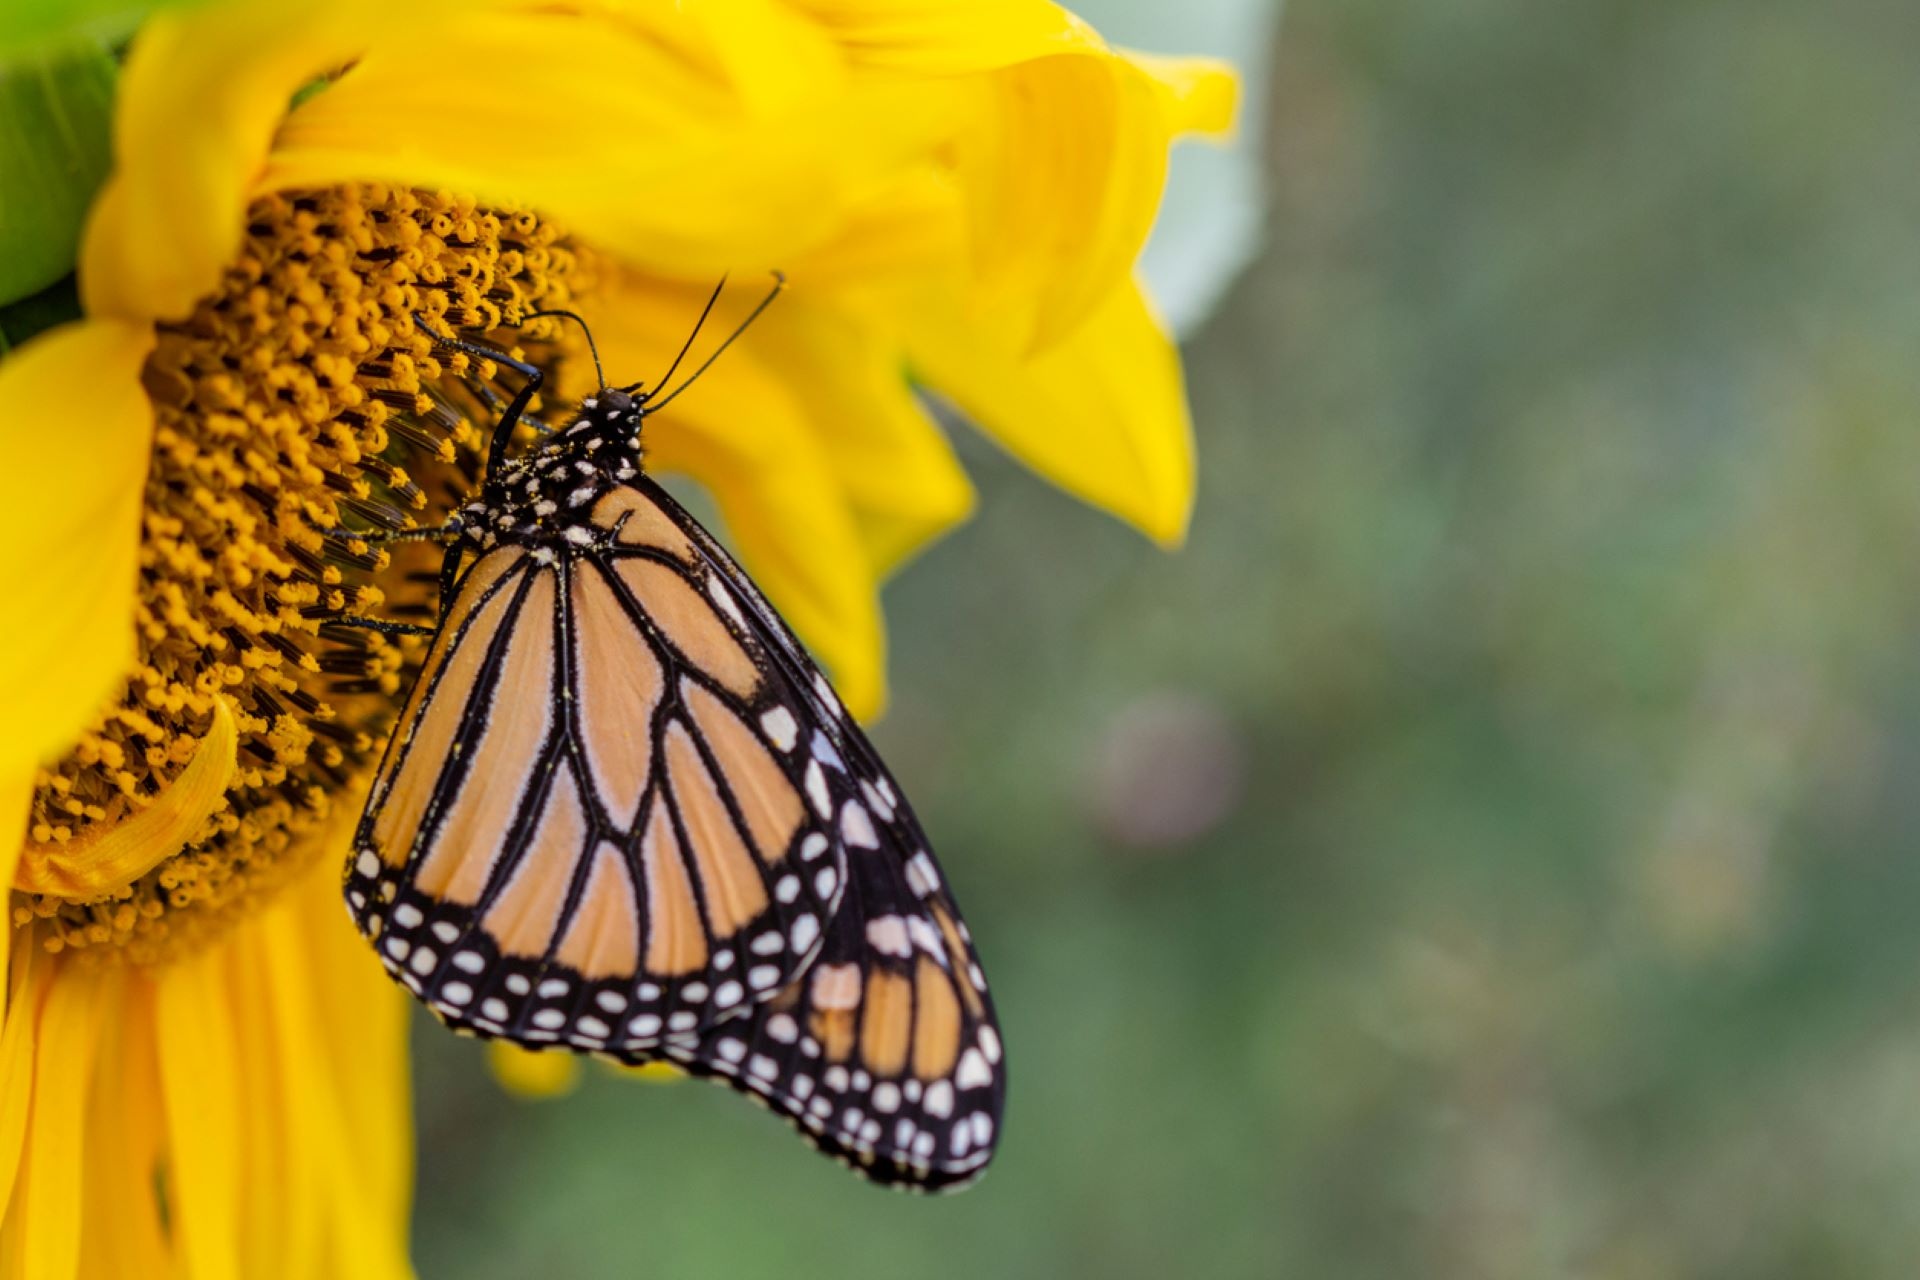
(44, 1214)
(652, 1072)
(912, 226)
(69, 528)
(893, 463)
(200, 1081)
(354, 1221)
(104, 859)
(605, 127)
(124, 1146)
(769, 55)
(1062, 172)
(1103, 414)
(1198, 95)
(1063, 155)
(16, 799)
(203, 89)
(276, 1193)
(532, 1075)
(364, 1020)
(947, 37)
(744, 436)
(26, 991)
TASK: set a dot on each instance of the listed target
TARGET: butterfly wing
(682, 847)
(593, 827)
(886, 1053)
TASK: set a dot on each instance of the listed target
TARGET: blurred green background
(1486, 850)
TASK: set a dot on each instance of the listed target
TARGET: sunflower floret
(297, 401)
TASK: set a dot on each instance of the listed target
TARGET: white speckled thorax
(547, 495)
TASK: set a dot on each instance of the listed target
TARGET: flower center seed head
(298, 401)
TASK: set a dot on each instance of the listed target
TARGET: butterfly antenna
(568, 315)
(779, 283)
(697, 326)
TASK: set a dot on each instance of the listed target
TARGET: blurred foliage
(1554, 582)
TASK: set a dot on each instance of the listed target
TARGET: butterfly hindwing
(886, 1053)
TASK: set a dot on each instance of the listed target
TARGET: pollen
(300, 416)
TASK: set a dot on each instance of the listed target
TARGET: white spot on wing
(926, 937)
(888, 936)
(824, 692)
(921, 875)
(822, 747)
(856, 827)
(973, 1070)
(724, 598)
(877, 802)
(780, 728)
(817, 789)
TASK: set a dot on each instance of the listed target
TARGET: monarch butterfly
(623, 813)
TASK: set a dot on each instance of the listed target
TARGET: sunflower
(204, 1073)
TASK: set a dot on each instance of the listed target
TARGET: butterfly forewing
(594, 826)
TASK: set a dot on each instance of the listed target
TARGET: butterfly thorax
(548, 494)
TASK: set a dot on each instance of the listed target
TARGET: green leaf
(37, 27)
(55, 149)
(54, 305)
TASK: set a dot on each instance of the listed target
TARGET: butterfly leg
(387, 537)
(497, 405)
(449, 576)
(384, 626)
(516, 408)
